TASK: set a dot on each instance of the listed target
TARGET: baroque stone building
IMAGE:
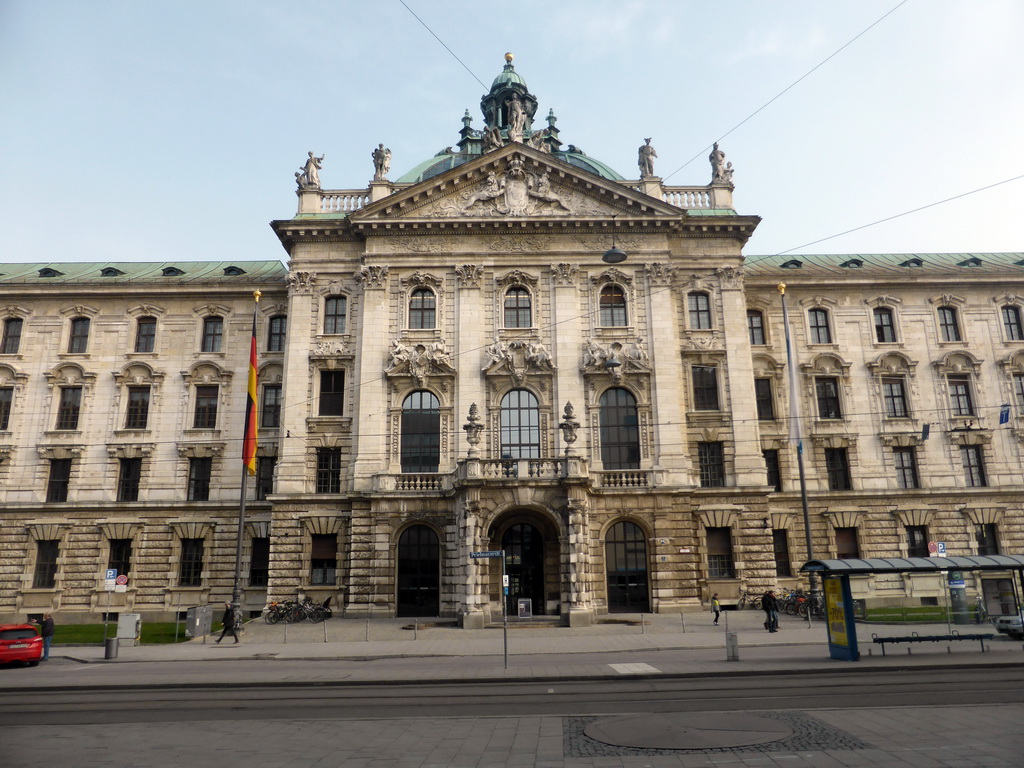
(511, 347)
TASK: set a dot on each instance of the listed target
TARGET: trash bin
(110, 648)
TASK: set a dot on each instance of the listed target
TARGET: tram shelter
(835, 574)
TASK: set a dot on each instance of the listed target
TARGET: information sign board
(489, 553)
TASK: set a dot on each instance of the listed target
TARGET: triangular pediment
(514, 182)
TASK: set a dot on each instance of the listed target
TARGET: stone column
(370, 416)
(748, 463)
(671, 450)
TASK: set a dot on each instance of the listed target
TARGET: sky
(170, 130)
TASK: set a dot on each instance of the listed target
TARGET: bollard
(732, 647)
(110, 646)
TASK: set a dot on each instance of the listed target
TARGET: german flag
(249, 440)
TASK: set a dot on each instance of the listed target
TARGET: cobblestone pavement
(905, 737)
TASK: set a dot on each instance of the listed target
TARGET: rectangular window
(987, 538)
(764, 400)
(323, 560)
(69, 408)
(206, 407)
(259, 562)
(59, 480)
(276, 328)
(755, 324)
(6, 402)
(78, 341)
(335, 308)
(771, 463)
(949, 328)
(120, 557)
(145, 334)
(711, 459)
(45, 576)
(190, 572)
(974, 466)
(332, 393)
(137, 415)
(328, 470)
(837, 465)
(11, 342)
(200, 469)
(705, 388)
(700, 311)
(905, 460)
(1018, 390)
(846, 544)
(270, 407)
(917, 540)
(128, 479)
(780, 545)
(960, 402)
(1012, 324)
(265, 476)
(720, 563)
(885, 328)
(213, 334)
(894, 393)
(826, 389)
(821, 333)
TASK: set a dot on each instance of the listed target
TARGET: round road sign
(122, 579)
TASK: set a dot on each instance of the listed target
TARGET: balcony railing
(624, 478)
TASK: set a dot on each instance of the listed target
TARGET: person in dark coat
(46, 631)
(770, 606)
(229, 622)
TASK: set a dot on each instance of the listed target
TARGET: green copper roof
(169, 272)
(508, 76)
(902, 265)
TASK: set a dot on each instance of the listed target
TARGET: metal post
(236, 590)
(106, 618)
(812, 577)
(504, 606)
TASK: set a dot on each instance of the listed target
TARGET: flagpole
(249, 441)
(796, 435)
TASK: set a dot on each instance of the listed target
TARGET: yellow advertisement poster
(835, 612)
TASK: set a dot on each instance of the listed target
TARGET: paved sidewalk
(397, 650)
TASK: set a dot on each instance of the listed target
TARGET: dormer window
(914, 262)
(50, 272)
(793, 264)
(974, 261)
(233, 271)
(852, 264)
(172, 272)
(110, 272)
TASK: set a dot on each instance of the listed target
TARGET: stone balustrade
(624, 478)
(343, 200)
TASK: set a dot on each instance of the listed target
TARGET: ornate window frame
(135, 374)
(417, 281)
(203, 312)
(639, 388)
(66, 375)
(959, 363)
(894, 306)
(1009, 300)
(70, 314)
(959, 303)
(205, 373)
(135, 314)
(828, 305)
(618, 278)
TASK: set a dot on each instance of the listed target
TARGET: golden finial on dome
(509, 57)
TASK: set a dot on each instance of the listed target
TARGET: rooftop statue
(516, 118)
(381, 163)
(645, 158)
(721, 171)
(308, 177)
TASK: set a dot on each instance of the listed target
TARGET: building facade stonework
(450, 365)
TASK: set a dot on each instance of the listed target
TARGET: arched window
(335, 309)
(517, 308)
(620, 434)
(613, 306)
(421, 432)
(520, 425)
(422, 309)
(626, 564)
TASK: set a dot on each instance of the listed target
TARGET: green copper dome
(508, 96)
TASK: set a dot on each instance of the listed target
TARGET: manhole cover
(687, 730)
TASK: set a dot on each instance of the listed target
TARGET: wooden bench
(916, 638)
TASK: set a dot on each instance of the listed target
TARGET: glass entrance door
(419, 572)
(626, 558)
(524, 564)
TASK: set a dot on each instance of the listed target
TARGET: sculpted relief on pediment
(515, 191)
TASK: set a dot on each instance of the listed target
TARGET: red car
(20, 642)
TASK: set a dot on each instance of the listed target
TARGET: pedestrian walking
(229, 622)
(46, 630)
(716, 607)
(770, 606)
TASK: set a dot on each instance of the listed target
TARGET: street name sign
(490, 553)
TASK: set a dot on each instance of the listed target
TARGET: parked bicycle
(753, 601)
(292, 611)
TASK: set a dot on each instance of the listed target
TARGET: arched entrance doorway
(524, 564)
(626, 566)
(419, 572)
